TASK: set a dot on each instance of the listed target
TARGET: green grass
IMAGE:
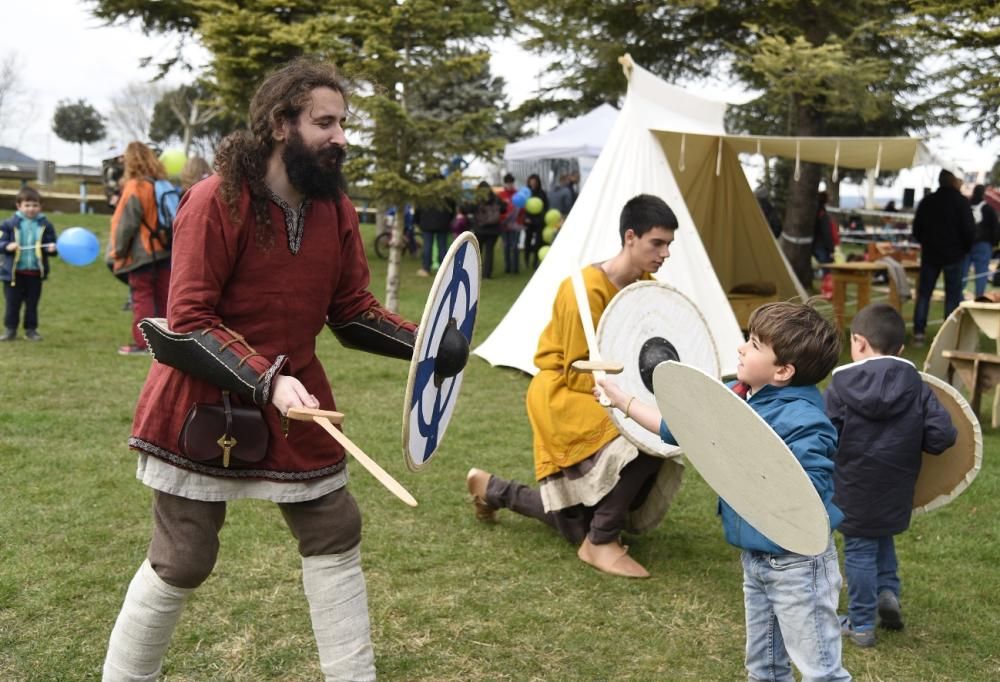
(451, 599)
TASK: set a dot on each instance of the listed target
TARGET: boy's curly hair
(799, 336)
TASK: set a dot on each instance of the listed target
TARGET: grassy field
(451, 599)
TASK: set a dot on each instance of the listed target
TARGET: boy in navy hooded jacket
(886, 417)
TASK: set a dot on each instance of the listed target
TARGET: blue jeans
(791, 616)
(979, 256)
(928, 278)
(442, 246)
(870, 567)
(510, 250)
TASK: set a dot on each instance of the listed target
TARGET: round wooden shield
(943, 477)
(741, 457)
(959, 332)
(647, 323)
(449, 318)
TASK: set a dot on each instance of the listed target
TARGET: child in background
(26, 241)
(790, 599)
(886, 417)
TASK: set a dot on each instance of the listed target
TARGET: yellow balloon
(534, 206)
(542, 253)
(173, 161)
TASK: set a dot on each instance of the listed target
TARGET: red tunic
(278, 301)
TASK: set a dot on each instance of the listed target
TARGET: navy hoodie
(886, 417)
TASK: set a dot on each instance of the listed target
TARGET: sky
(67, 54)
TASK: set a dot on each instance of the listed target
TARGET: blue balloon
(519, 200)
(78, 246)
(525, 192)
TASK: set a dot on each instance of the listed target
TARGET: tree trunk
(395, 255)
(833, 192)
(800, 213)
(189, 128)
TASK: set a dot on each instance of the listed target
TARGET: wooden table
(859, 274)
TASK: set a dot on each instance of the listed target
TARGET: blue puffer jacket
(797, 415)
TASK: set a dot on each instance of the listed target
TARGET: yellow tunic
(568, 424)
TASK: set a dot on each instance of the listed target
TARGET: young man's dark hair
(799, 336)
(882, 326)
(508, 178)
(27, 193)
(643, 212)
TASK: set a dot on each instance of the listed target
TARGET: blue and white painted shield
(441, 351)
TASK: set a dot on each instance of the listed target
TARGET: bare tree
(11, 88)
(132, 110)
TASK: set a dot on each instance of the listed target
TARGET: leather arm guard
(377, 331)
(204, 355)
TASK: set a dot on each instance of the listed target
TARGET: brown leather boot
(612, 558)
(476, 481)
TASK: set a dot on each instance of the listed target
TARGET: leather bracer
(217, 355)
(377, 331)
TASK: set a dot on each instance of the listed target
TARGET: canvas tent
(669, 142)
(582, 136)
(573, 145)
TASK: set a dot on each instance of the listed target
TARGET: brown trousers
(185, 543)
(602, 523)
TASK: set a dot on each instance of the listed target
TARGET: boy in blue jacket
(790, 599)
(26, 241)
(886, 416)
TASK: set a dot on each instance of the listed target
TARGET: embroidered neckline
(295, 219)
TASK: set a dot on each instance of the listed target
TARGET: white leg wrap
(143, 629)
(338, 605)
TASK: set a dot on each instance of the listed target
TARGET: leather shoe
(476, 481)
(612, 558)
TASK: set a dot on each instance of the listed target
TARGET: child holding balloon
(26, 241)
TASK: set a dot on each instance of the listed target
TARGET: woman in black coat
(534, 223)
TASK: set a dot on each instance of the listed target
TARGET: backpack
(488, 213)
(167, 199)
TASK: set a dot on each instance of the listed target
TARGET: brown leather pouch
(225, 435)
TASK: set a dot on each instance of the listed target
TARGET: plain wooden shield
(430, 399)
(959, 332)
(645, 321)
(741, 457)
(943, 477)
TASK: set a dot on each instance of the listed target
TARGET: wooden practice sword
(326, 418)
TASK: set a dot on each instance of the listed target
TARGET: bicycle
(412, 242)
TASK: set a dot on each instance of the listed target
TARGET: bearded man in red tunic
(265, 254)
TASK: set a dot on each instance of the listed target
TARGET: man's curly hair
(242, 156)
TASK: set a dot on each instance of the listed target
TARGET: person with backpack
(985, 236)
(139, 243)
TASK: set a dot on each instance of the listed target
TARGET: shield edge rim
(678, 452)
(815, 494)
(465, 237)
(977, 429)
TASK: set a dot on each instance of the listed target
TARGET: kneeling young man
(590, 476)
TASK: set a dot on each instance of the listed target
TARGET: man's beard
(316, 174)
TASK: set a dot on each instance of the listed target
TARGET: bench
(979, 372)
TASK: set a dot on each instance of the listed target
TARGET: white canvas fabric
(582, 136)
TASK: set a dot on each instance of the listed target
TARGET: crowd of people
(493, 215)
